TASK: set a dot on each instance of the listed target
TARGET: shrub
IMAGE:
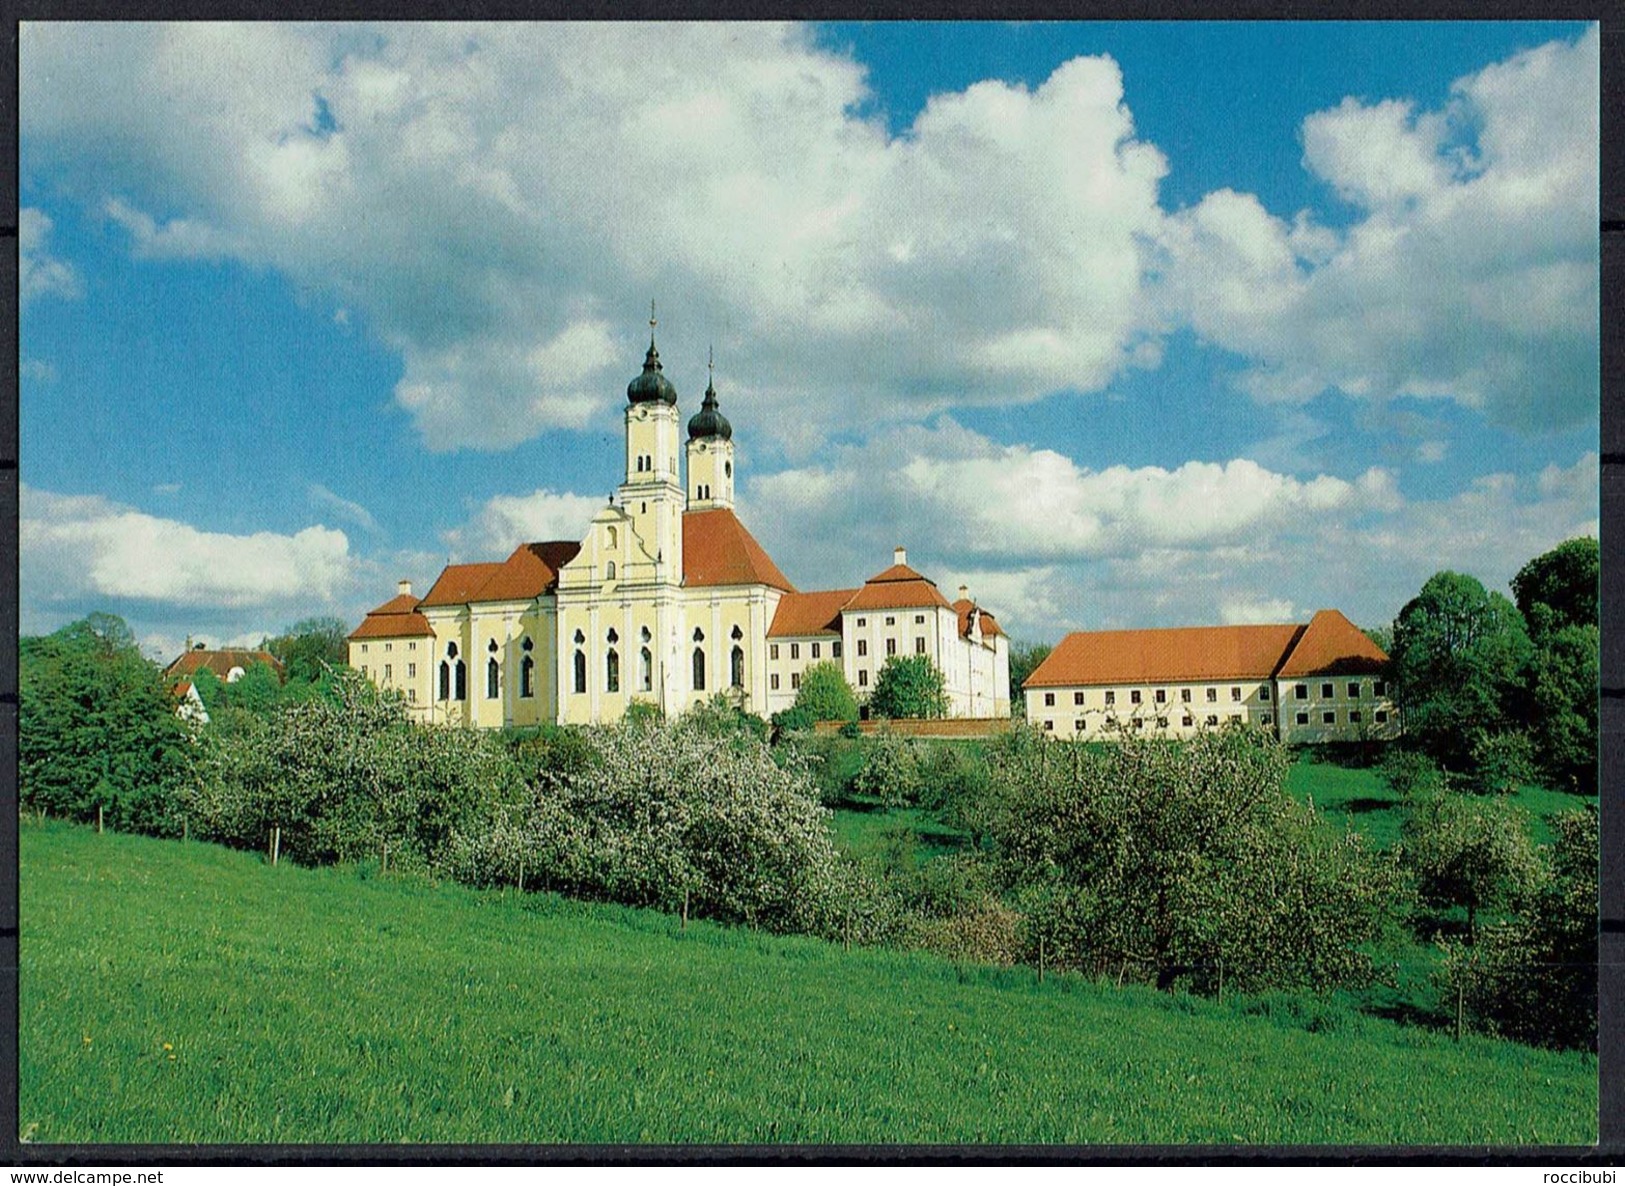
(1410, 773)
(794, 719)
(891, 770)
(1502, 762)
(1164, 858)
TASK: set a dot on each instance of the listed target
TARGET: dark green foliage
(954, 785)
(643, 712)
(97, 728)
(1471, 851)
(721, 717)
(825, 695)
(794, 719)
(1563, 580)
(1383, 636)
(1562, 701)
(1534, 978)
(309, 647)
(831, 763)
(891, 770)
(1163, 860)
(909, 687)
(1024, 660)
(1458, 660)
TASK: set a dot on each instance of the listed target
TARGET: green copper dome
(651, 385)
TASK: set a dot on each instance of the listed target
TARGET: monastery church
(668, 600)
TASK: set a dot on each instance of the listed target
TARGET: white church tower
(652, 494)
(710, 455)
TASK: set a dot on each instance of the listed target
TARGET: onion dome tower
(710, 452)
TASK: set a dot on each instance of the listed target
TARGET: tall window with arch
(736, 668)
(461, 673)
(612, 670)
(527, 670)
(581, 672)
(699, 669)
(445, 679)
(609, 571)
(646, 670)
(493, 679)
(614, 539)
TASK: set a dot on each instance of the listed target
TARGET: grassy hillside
(183, 993)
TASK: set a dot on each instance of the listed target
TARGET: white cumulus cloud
(507, 520)
(39, 273)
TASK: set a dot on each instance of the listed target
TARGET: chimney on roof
(403, 588)
(899, 555)
(198, 647)
(964, 592)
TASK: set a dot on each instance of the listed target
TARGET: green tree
(1024, 660)
(1534, 977)
(1468, 850)
(1458, 660)
(306, 646)
(97, 727)
(909, 687)
(1172, 859)
(1563, 580)
(1557, 594)
(825, 695)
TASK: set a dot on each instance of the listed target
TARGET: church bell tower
(710, 454)
(652, 494)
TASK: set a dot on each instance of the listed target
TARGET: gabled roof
(532, 569)
(899, 572)
(458, 583)
(382, 625)
(221, 662)
(898, 587)
(801, 614)
(1165, 656)
(963, 607)
(717, 550)
(1333, 645)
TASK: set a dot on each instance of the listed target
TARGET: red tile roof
(898, 594)
(963, 607)
(532, 569)
(1333, 645)
(377, 625)
(801, 614)
(221, 662)
(717, 550)
(458, 583)
(1165, 656)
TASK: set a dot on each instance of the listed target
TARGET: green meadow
(180, 993)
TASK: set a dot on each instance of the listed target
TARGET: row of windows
(919, 620)
(1379, 688)
(816, 649)
(1112, 725)
(411, 645)
(612, 668)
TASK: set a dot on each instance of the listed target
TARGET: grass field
(178, 992)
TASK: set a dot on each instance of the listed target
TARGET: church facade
(667, 600)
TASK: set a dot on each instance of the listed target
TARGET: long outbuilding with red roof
(1316, 682)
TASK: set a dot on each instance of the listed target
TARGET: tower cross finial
(710, 361)
(651, 319)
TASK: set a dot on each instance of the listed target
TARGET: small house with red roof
(1318, 682)
(667, 600)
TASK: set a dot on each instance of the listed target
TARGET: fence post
(98, 819)
(521, 876)
(186, 826)
(383, 858)
(276, 843)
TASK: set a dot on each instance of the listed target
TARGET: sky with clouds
(1120, 325)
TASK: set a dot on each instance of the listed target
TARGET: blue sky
(1141, 324)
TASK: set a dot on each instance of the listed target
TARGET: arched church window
(609, 571)
(445, 680)
(613, 538)
(736, 634)
(580, 638)
(646, 669)
(527, 677)
(493, 680)
(461, 674)
(699, 669)
(612, 636)
(491, 646)
(581, 672)
(699, 635)
(612, 671)
(728, 469)
(737, 668)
